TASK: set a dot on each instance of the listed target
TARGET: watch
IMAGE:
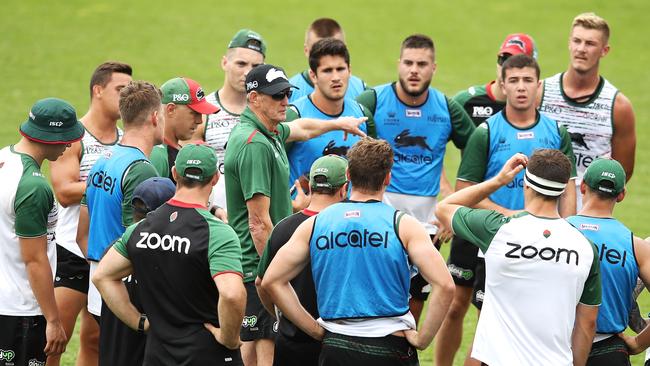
(143, 317)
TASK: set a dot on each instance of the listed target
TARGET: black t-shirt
(303, 283)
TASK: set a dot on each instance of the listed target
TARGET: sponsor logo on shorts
(249, 321)
(35, 362)
(592, 227)
(7, 355)
(352, 239)
(557, 255)
(165, 242)
(459, 272)
(480, 295)
(276, 325)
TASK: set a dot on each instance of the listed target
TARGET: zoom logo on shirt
(352, 239)
(556, 255)
(166, 242)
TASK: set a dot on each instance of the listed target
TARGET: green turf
(50, 49)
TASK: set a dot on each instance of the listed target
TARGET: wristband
(143, 317)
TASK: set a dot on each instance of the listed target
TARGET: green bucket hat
(199, 156)
(605, 175)
(332, 167)
(52, 121)
(246, 38)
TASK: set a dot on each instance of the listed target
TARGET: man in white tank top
(245, 51)
(599, 118)
(68, 175)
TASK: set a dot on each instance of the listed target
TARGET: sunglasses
(502, 58)
(285, 93)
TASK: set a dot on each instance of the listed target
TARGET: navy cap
(153, 192)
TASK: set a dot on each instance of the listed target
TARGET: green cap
(188, 92)
(605, 175)
(52, 121)
(199, 156)
(247, 38)
(332, 167)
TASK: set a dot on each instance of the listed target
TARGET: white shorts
(94, 298)
(422, 208)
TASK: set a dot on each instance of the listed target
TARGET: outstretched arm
(306, 128)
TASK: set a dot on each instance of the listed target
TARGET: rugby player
(480, 102)
(329, 63)
(418, 121)
(542, 285)
(106, 208)
(257, 173)
(184, 106)
(623, 258)
(317, 30)
(196, 306)
(245, 51)
(30, 321)
(328, 185)
(368, 245)
(598, 116)
(69, 174)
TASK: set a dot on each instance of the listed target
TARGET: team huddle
(297, 221)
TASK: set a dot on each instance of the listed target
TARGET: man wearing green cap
(245, 51)
(328, 185)
(623, 257)
(29, 319)
(257, 190)
(200, 297)
(184, 106)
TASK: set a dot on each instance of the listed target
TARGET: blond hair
(592, 21)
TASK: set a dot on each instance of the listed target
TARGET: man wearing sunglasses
(257, 194)
(468, 270)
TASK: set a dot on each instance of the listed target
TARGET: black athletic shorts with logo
(419, 286)
(339, 350)
(199, 348)
(119, 344)
(258, 323)
(609, 352)
(72, 271)
(479, 284)
(462, 262)
(22, 340)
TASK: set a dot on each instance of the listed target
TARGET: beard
(414, 93)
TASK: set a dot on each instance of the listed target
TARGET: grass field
(51, 48)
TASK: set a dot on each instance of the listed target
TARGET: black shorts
(119, 344)
(258, 323)
(479, 284)
(199, 348)
(22, 340)
(609, 352)
(420, 288)
(462, 262)
(290, 353)
(339, 350)
(72, 271)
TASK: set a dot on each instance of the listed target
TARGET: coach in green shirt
(257, 172)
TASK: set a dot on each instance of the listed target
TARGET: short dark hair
(369, 161)
(519, 62)
(550, 164)
(324, 27)
(419, 41)
(137, 99)
(327, 47)
(103, 73)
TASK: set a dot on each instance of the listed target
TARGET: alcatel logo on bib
(352, 239)
(166, 242)
(180, 97)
